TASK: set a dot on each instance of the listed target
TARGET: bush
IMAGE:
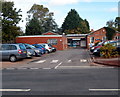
(108, 51)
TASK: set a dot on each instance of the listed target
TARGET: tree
(110, 23)
(50, 25)
(10, 19)
(110, 33)
(42, 14)
(117, 23)
(74, 24)
(33, 27)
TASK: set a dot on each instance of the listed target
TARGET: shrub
(108, 51)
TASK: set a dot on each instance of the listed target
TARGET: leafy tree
(33, 27)
(117, 23)
(10, 19)
(42, 14)
(73, 23)
(50, 25)
(110, 23)
(110, 33)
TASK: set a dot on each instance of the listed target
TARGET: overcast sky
(97, 12)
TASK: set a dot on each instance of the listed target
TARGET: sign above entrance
(76, 39)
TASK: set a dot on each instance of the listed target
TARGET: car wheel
(47, 51)
(12, 58)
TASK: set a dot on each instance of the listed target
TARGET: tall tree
(117, 23)
(42, 14)
(73, 23)
(33, 27)
(110, 23)
(10, 19)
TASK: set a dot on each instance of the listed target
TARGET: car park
(32, 51)
(47, 47)
(115, 43)
(13, 52)
(53, 48)
(40, 47)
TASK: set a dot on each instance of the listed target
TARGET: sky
(97, 12)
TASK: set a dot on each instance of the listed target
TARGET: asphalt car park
(70, 58)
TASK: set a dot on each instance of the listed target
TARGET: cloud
(62, 2)
(115, 9)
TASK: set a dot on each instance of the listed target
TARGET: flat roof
(69, 35)
(41, 36)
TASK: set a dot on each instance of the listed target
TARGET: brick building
(57, 41)
(99, 35)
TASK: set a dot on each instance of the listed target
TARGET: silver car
(12, 52)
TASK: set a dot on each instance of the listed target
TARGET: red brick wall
(98, 34)
(61, 41)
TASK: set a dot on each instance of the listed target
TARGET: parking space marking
(54, 61)
(10, 68)
(83, 60)
(34, 68)
(46, 68)
(15, 90)
(69, 61)
(104, 90)
(41, 61)
(58, 65)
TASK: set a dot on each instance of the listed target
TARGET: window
(13, 47)
(22, 46)
(5, 47)
(91, 39)
(117, 37)
(104, 38)
(52, 41)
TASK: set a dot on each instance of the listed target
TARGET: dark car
(42, 48)
(13, 52)
(33, 50)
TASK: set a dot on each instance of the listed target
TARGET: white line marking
(22, 68)
(34, 68)
(104, 89)
(58, 65)
(11, 90)
(10, 68)
(83, 67)
(54, 61)
(83, 60)
(46, 68)
(69, 61)
(41, 61)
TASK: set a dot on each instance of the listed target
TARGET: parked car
(42, 48)
(13, 52)
(53, 48)
(47, 47)
(97, 46)
(32, 51)
(115, 43)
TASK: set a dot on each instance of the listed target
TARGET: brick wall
(98, 36)
(61, 41)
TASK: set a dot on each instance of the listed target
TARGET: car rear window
(22, 46)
